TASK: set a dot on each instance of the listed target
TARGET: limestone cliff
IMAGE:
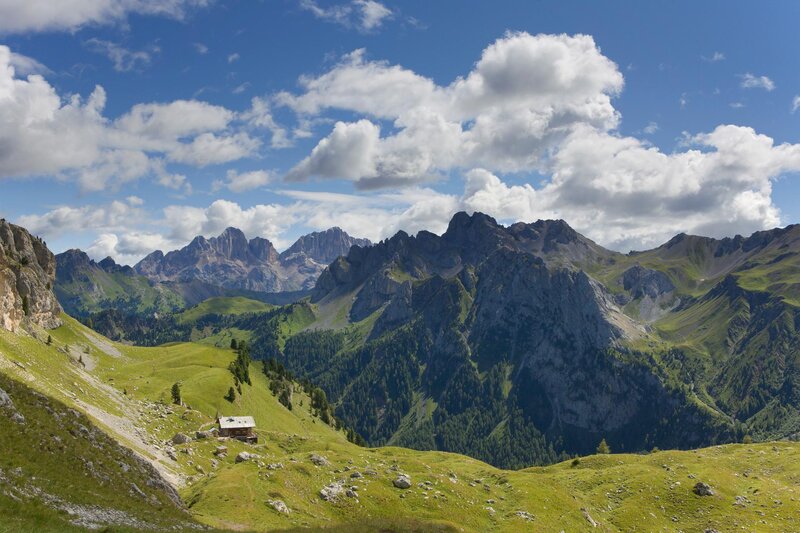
(27, 272)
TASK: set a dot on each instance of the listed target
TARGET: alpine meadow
(372, 266)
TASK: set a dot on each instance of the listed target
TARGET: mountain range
(520, 345)
(227, 265)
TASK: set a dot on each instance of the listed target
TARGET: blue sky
(632, 121)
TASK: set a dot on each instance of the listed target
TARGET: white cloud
(524, 95)
(201, 48)
(715, 57)
(538, 104)
(44, 133)
(18, 16)
(348, 152)
(246, 181)
(209, 148)
(750, 81)
(233, 57)
(66, 219)
(25, 66)
(124, 60)
(364, 15)
(651, 128)
(795, 103)
(736, 105)
(260, 116)
(372, 14)
(239, 89)
(127, 248)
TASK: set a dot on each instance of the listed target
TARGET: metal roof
(233, 422)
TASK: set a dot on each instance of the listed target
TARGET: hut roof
(233, 422)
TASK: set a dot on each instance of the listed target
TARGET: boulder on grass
(402, 481)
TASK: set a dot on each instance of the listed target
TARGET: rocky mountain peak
(231, 243)
(27, 273)
(263, 250)
(324, 246)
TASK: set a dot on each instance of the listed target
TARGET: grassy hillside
(58, 472)
(99, 290)
(121, 389)
(234, 305)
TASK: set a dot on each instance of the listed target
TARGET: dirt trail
(103, 345)
(129, 434)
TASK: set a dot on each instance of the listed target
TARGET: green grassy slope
(120, 388)
(233, 305)
(58, 472)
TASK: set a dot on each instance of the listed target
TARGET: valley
(478, 369)
(124, 394)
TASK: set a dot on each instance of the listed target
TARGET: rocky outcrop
(27, 273)
(641, 282)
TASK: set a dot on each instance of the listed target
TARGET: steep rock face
(232, 262)
(27, 273)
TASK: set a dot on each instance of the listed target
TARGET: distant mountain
(227, 265)
(232, 262)
(519, 344)
(27, 269)
(84, 286)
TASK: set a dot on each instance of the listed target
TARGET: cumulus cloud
(69, 137)
(364, 15)
(246, 181)
(749, 81)
(525, 95)
(538, 106)
(67, 219)
(41, 15)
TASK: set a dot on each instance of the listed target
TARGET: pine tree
(231, 396)
(233, 344)
(603, 447)
(176, 393)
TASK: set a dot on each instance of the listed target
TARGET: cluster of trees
(139, 328)
(280, 382)
(240, 368)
